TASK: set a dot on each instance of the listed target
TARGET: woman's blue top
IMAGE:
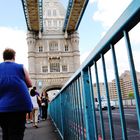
(14, 94)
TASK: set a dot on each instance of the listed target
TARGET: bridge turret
(75, 40)
(75, 46)
(31, 41)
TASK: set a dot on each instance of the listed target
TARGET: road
(131, 124)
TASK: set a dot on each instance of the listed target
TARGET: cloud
(16, 39)
(122, 60)
(92, 1)
(108, 11)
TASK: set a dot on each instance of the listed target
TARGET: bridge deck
(46, 131)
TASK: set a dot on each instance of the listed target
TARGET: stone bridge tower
(53, 56)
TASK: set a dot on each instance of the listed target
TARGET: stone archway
(51, 87)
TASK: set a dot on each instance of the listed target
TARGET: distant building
(102, 90)
(125, 84)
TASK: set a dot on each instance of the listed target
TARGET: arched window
(59, 23)
(53, 46)
(49, 12)
(44, 68)
(54, 13)
(40, 49)
(54, 67)
(66, 48)
(64, 68)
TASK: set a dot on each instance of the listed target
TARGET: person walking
(44, 104)
(40, 108)
(29, 117)
(35, 97)
(15, 99)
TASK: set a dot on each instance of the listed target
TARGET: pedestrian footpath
(46, 131)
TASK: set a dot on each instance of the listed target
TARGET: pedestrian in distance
(15, 99)
(44, 104)
(40, 108)
(35, 97)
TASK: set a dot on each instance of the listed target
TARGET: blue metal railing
(73, 110)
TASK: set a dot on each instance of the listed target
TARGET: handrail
(77, 118)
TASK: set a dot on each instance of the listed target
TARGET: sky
(99, 16)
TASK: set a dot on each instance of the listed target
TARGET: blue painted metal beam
(25, 13)
(88, 108)
(118, 87)
(112, 136)
(99, 99)
(33, 15)
(133, 75)
(74, 14)
(67, 14)
(82, 13)
(40, 7)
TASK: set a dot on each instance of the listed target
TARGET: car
(103, 103)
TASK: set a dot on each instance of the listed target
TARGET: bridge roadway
(46, 131)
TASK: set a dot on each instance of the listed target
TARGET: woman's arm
(39, 98)
(27, 78)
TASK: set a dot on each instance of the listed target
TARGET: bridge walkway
(46, 131)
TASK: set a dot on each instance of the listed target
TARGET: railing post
(76, 110)
(62, 115)
(108, 99)
(88, 111)
(81, 117)
(93, 104)
(123, 123)
(133, 75)
(99, 99)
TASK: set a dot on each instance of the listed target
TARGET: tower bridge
(53, 40)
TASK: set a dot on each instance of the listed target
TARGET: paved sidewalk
(46, 131)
